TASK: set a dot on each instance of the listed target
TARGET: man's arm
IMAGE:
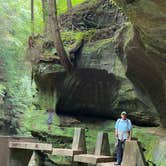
(116, 133)
(130, 130)
(116, 129)
(130, 135)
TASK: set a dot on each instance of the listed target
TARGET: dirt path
(159, 152)
(161, 132)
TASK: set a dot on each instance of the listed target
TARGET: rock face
(7, 116)
(99, 85)
(143, 53)
(93, 15)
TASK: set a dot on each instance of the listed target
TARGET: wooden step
(30, 146)
(92, 159)
(66, 152)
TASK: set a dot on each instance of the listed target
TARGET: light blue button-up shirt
(123, 127)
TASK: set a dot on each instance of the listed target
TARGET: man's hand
(116, 133)
(129, 138)
(130, 135)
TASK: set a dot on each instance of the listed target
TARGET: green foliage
(2, 90)
(70, 38)
(15, 20)
(62, 5)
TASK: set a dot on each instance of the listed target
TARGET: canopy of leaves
(15, 18)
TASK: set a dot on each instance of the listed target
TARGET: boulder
(99, 87)
(141, 46)
(112, 70)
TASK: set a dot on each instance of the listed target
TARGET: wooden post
(133, 154)
(79, 143)
(102, 152)
(4, 151)
(20, 157)
(14, 157)
(102, 144)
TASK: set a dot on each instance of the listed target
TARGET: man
(123, 132)
(50, 117)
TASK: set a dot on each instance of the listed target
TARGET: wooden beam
(30, 146)
(65, 152)
(106, 164)
(92, 159)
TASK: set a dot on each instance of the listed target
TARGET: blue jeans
(120, 148)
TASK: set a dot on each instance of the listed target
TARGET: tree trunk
(69, 5)
(56, 36)
(45, 15)
(32, 17)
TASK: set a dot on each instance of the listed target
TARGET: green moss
(45, 100)
(129, 34)
(127, 90)
(70, 38)
(96, 46)
(44, 68)
(148, 141)
(2, 90)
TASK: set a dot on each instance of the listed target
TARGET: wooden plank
(106, 164)
(65, 152)
(8, 156)
(30, 146)
(92, 159)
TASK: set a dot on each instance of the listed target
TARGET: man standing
(123, 132)
(50, 112)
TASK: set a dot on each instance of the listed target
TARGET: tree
(32, 17)
(69, 5)
(52, 8)
(45, 15)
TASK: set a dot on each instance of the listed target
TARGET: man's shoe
(116, 163)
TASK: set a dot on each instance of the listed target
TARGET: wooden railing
(18, 151)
